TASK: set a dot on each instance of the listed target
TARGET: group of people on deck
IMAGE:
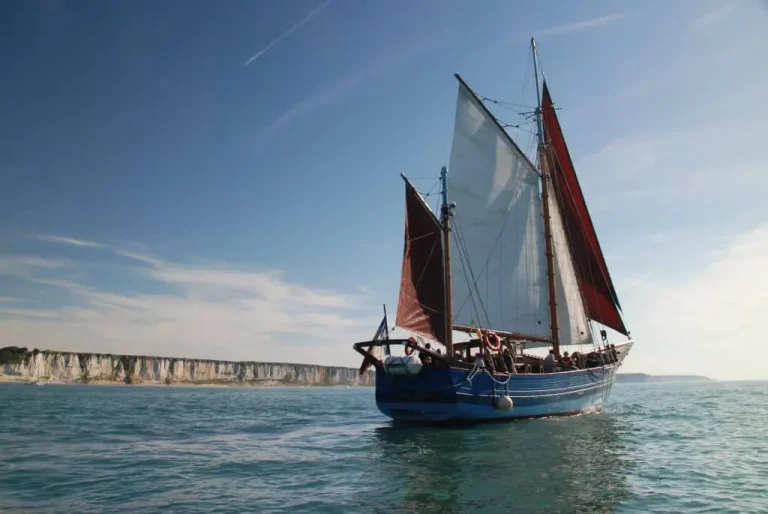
(578, 360)
(503, 361)
(499, 361)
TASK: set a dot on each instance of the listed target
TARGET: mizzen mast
(548, 246)
(446, 213)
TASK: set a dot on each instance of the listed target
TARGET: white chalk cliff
(66, 367)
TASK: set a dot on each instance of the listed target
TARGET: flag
(382, 332)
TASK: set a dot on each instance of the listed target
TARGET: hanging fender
(492, 341)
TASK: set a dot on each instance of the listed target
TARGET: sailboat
(511, 261)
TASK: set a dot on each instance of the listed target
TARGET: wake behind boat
(528, 275)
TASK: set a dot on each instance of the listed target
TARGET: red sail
(600, 301)
(421, 306)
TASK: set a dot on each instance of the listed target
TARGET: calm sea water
(696, 447)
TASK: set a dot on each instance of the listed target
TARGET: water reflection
(555, 465)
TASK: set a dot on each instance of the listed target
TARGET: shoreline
(24, 366)
(4, 379)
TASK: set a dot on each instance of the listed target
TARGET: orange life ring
(492, 341)
(409, 349)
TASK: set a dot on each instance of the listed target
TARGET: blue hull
(459, 395)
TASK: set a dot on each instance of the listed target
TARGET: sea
(658, 447)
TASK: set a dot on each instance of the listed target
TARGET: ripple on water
(657, 448)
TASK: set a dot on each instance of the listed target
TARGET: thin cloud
(714, 316)
(581, 25)
(18, 264)
(711, 18)
(191, 311)
(337, 91)
(9, 299)
(69, 241)
(29, 313)
(285, 34)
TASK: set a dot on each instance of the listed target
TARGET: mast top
(539, 124)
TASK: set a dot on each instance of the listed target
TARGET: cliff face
(66, 367)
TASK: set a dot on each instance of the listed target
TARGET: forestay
(499, 256)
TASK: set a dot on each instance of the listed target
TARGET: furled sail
(421, 306)
(498, 264)
(600, 301)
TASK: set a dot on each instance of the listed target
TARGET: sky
(184, 179)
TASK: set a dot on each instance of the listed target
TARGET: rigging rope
(484, 268)
(464, 260)
(505, 104)
(498, 381)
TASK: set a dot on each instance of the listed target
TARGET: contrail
(285, 34)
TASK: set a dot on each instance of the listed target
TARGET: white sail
(498, 225)
(571, 317)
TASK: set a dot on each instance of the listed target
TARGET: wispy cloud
(213, 311)
(285, 34)
(69, 241)
(19, 264)
(129, 254)
(711, 18)
(581, 25)
(29, 313)
(663, 166)
(335, 92)
(9, 299)
(714, 316)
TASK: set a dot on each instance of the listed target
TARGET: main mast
(555, 334)
(446, 222)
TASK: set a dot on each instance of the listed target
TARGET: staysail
(421, 305)
(574, 328)
(597, 292)
(499, 276)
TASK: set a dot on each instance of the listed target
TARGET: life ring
(492, 341)
(409, 349)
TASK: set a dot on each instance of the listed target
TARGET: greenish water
(678, 447)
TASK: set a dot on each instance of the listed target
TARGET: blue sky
(184, 179)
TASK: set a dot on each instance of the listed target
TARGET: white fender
(504, 403)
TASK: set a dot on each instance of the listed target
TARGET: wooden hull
(460, 395)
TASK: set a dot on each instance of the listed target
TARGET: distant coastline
(644, 377)
(19, 364)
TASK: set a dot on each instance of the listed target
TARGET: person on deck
(567, 362)
(424, 357)
(576, 359)
(507, 356)
(501, 366)
(479, 361)
(549, 362)
(489, 360)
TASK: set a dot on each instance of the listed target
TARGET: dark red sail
(600, 301)
(421, 306)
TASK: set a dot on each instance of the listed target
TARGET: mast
(446, 223)
(555, 334)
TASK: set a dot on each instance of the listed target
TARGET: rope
(504, 103)
(498, 381)
(469, 378)
(466, 265)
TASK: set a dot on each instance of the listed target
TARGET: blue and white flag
(382, 332)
